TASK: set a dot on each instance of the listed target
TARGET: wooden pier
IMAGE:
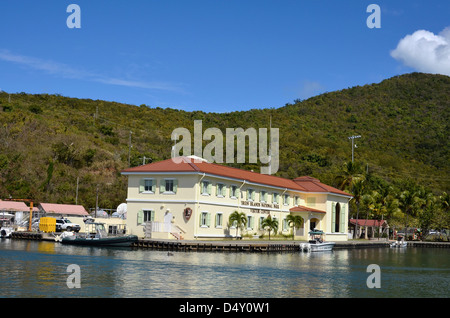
(38, 236)
(217, 246)
(236, 245)
(428, 244)
(263, 246)
(27, 235)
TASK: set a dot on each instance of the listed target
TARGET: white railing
(162, 227)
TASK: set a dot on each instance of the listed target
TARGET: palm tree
(381, 204)
(351, 172)
(409, 203)
(352, 179)
(429, 211)
(444, 201)
(295, 221)
(358, 188)
(392, 208)
(237, 219)
(270, 224)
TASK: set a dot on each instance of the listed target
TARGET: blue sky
(216, 55)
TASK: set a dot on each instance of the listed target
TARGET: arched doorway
(337, 218)
(313, 224)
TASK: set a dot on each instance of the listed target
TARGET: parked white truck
(65, 224)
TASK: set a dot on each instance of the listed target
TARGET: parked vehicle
(65, 224)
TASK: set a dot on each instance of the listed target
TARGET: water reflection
(38, 269)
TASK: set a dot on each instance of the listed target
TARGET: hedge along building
(193, 199)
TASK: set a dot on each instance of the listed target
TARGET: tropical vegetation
(270, 225)
(61, 149)
(237, 220)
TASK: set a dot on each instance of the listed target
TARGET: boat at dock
(6, 225)
(96, 235)
(399, 243)
(317, 243)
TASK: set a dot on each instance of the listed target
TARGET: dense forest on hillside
(47, 142)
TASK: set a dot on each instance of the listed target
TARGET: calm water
(39, 269)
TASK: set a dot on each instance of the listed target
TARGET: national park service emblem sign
(187, 213)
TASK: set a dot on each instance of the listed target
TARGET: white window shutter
(140, 217)
(333, 217)
(175, 185)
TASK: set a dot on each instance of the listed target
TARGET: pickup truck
(66, 225)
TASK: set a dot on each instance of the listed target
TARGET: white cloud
(425, 51)
(66, 71)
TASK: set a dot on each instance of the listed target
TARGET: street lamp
(353, 144)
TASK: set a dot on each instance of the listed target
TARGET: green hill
(48, 141)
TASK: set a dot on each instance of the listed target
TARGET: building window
(275, 198)
(249, 222)
(296, 200)
(206, 188)
(204, 219)
(286, 199)
(219, 220)
(261, 219)
(220, 190)
(149, 215)
(234, 192)
(263, 197)
(147, 185)
(251, 195)
(145, 216)
(285, 225)
(168, 186)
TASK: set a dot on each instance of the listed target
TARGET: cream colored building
(185, 199)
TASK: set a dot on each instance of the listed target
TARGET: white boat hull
(6, 232)
(317, 247)
(399, 244)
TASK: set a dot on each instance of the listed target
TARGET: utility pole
(76, 197)
(96, 204)
(129, 151)
(353, 144)
(144, 160)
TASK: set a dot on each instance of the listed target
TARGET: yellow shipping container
(47, 225)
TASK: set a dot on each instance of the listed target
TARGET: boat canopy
(316, 232)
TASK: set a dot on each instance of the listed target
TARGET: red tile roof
(302, 208)
(364, 222)
(185, 164)
(66, 209)
(13, 206)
